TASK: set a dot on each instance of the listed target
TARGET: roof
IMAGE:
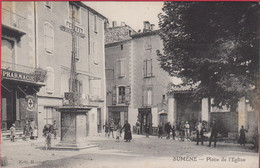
(143, 34)
(182, 87)
(89, 8)
(118, 34)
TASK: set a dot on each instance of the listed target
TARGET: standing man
(54, 129)
(199, 132)
(187, 130)
(138, 127)
(167, 129)
(112, 127)
(214, 133)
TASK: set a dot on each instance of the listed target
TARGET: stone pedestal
(73, 128)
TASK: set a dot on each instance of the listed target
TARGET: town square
(129, 84)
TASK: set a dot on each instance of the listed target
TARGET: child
(118, 132)
(13, 133)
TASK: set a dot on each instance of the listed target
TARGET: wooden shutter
(145, 97)
(114, 95)
(127, 94)
(50, 80)
(144, 68)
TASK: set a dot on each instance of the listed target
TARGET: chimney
(106, 25)
(123, 24)
(147, 26)
(152, 27)
(114, 24)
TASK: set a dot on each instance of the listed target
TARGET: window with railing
(121, 94)
(12, 19)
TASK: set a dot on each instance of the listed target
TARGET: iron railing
(12, 19)
(38, 73)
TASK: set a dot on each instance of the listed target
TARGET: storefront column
(172, 109)
(155, 117)
(4, 113)
(242, 117)
(205, 109)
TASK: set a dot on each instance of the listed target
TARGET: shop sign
(30, 103)
(17, 75)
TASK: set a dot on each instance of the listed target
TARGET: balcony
(13, 24)
(20, 72)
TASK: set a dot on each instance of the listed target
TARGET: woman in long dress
(128, 134)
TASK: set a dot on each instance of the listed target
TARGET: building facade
(21, 77)
(54, 47)
(136, 85)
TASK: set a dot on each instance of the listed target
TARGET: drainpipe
(35, 35)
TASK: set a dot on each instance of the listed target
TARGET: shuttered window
(121, 94)
(147, 97)
(48, 38)
(121, 68)
(95, 88)
(50, 80)
(148, 68)
(7, 50)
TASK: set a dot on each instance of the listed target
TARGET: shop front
(118, 113)
(18, 99)
(145, 118)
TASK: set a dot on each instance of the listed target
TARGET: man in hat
(214, 133)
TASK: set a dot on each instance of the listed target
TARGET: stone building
(21, 77)
(136, 85)
(54, 47)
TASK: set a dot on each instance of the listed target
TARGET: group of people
(30, 130)
(111, 127)
(184, 131)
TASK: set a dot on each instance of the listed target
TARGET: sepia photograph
(112, 84)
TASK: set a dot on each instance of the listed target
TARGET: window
(79, 87)
(48, 4)
(65, 75)
(148, 44)
(121, 68)
(121, 94)
(95, 88)
(96, 58)
(95, 23)
(50, 115)
(148, 67)
(147, 97)
(122, 46)
(48, 38)
(7, 50)
(50, 80)
(73, 9)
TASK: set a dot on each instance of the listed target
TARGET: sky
(132, 13)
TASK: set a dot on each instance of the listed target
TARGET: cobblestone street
(141, 151)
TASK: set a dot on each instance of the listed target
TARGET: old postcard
(129, 84)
